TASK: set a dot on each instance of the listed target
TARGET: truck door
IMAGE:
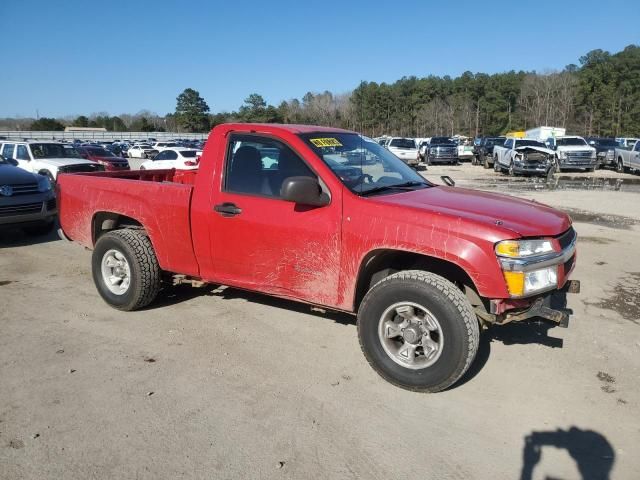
(261, 242)
(23, 158)
(634, 156)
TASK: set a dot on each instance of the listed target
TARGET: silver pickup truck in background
(522, 155)
(628, 158)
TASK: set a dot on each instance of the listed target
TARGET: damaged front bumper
(549, 306)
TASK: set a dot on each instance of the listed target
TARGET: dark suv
(605, 150)
(484, 152)
(27, 200)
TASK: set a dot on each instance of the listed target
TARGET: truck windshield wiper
(396, 186)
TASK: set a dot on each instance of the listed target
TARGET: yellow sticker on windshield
(325, 142)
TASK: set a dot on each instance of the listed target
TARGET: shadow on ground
(592, 452)
(15, 237)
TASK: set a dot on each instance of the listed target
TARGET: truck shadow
(517, 333)
(591, 451)
(182, 293)
(15, 237)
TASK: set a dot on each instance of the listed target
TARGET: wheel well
(382, 263)
(104, 222)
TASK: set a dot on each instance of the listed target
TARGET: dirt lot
(217, 383)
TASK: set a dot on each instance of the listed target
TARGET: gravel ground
(218, 383)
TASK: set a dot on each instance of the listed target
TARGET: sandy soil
(217, 383)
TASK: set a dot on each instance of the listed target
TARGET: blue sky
(78, 57)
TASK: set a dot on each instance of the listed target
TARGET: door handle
(228, 209)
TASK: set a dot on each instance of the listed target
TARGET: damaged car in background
(522, 156)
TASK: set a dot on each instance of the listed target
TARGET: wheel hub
(412, 334)
(115, 272)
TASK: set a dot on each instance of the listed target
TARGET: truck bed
(158, 199)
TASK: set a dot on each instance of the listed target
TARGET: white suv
(47, 158)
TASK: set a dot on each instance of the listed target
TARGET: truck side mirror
(303, 191)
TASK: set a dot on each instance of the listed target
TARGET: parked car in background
(405, 149)
(626, 142)
(573, 152)
(422, 150)
(465, 149)
(442, 150)
(179, 158)
(142, 150)
(628, 158)
(160, 146)
(27, 199)
(48, 158)
(104, 157)
(605, 151)
(484, 155)
(522, 156)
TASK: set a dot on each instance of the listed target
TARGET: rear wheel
(125, 269)
(418, 331)
(496, 165)
(620, 168)
(486, 163)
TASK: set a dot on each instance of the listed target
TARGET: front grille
(567, 238)
(51, 204)
(24, 189)
(82, 168)
(579, 155)
(536, 157)
(25, 209)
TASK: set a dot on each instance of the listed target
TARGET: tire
(557, 162)
(496, 166)
(142, 265)
(40, 229)
(620, 168)
(511, 172)
(486, 163)
(458, 332)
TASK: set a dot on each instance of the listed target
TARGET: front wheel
(125, 269)
(418, 331)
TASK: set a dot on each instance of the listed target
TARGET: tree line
(599, 96)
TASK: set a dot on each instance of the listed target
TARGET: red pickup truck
(328, 217)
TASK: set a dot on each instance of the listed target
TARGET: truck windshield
(529, 143)
(402, 143)
(606, 142)
(441, 141)
(52, 150)
(362, 165)
(570, 142)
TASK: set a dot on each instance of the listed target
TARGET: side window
(170, 155)
(22, 153)
(258, 165)
(161, 156)
(637, 147)
(7, 150)
(508, 143)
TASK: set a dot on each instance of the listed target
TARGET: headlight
(522, 284)
(44, 185)
(562, 154)
(523, 248)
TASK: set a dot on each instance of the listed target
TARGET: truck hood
(63, 162)
(526, 148)
(523, 217)
(576, 148)
(10, 175)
